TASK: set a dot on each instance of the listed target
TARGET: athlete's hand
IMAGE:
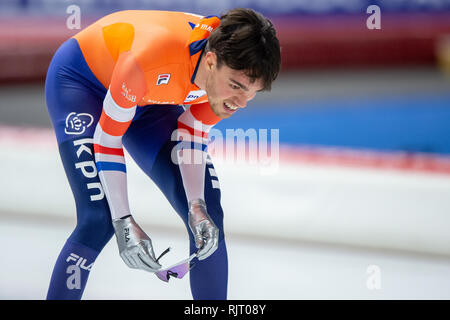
(135, 247)
(205, 232)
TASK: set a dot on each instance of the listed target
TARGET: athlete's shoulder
(146, 19)
(165, 40)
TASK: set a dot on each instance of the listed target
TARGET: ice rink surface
(258, 269)
(322, 232)
(306, 232)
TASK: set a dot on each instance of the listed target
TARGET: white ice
(305, 232)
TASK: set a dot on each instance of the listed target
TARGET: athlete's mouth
(229, 107)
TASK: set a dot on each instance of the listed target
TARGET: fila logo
(127, 235)
(163, 79)
(81, 262)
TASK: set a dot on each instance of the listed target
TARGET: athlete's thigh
(167, 176)
(75, 110)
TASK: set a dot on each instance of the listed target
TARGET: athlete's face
(228, 90)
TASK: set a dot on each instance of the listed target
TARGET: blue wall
(418, 123)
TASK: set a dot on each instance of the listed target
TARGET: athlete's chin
(220, 112)
(224, 115)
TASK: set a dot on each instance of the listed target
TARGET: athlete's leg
(74, 105)
(148, 142)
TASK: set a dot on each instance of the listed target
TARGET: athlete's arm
(193, 127)
(119, 106)
(126, 89)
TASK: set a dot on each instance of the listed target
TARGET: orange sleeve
(126, 89)
(128, 84)
(203, 112)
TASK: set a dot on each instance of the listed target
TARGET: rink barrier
(288, 153)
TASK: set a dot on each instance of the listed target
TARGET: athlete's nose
(241, 101)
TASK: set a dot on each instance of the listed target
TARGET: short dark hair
(246, 40)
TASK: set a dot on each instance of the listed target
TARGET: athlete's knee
(95, 219)
(94, 229)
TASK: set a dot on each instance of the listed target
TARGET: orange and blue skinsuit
(128, 80)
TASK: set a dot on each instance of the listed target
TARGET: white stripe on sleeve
(106, 140)
(116, 112)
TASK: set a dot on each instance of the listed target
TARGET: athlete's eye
(234, 86)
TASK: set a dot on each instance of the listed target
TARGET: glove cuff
(196, 204)
(123, 222)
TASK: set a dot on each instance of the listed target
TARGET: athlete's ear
(211, 60)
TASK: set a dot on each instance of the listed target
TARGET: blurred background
(358, 206)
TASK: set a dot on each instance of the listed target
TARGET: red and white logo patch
(163, 79)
